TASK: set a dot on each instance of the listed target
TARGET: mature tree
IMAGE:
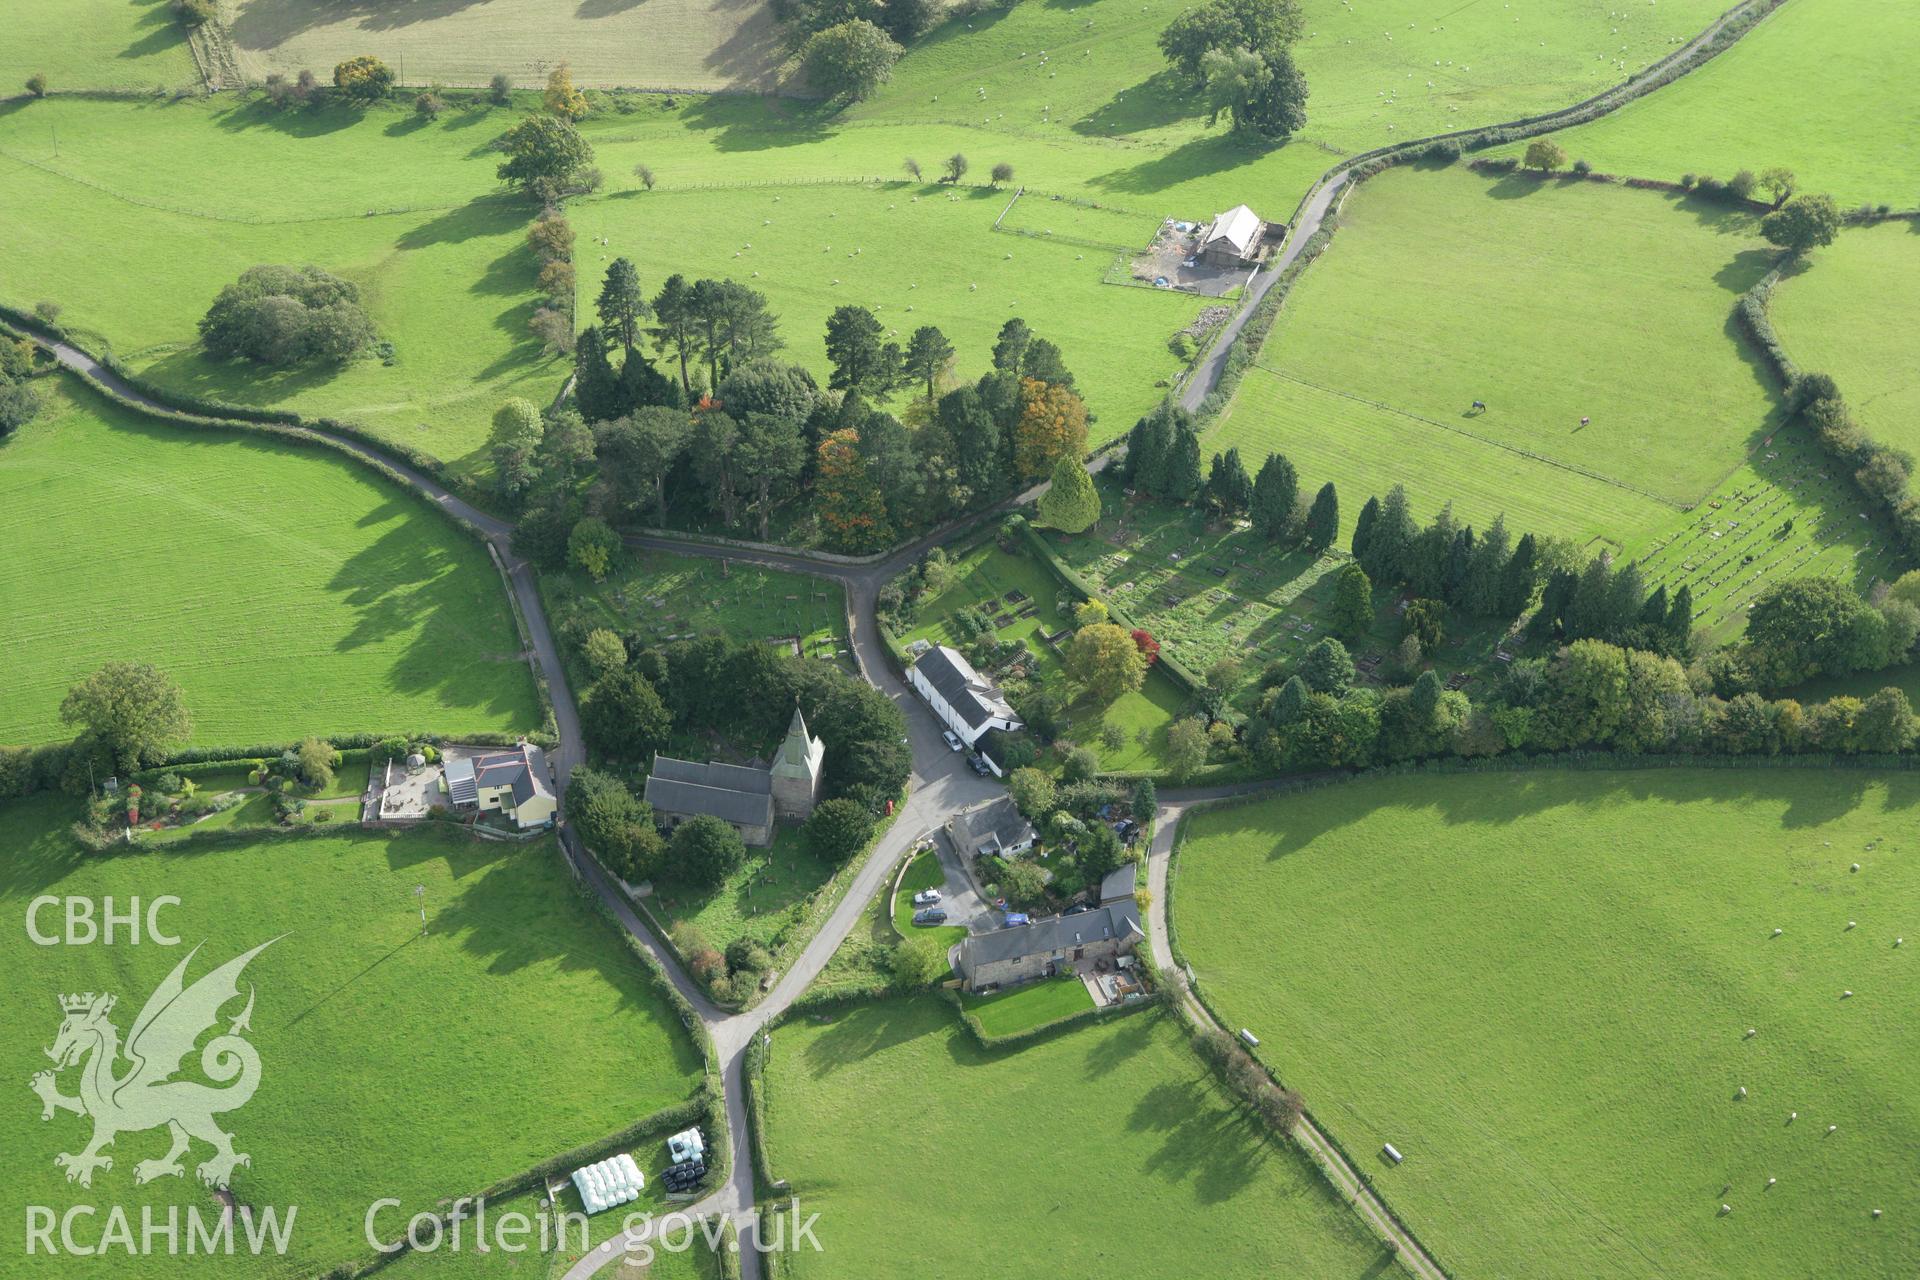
(1363, 526)
(704, 851)
(1182, 474)
(621, 305)
(1071, 504)
(1390, 541)
(615, 824)
(678, 330)
(640, 451)
(1351, 613)
(1010, 346)
(928, 355)
(562, 98)
(850, 502)
(1104, 660)
(1323, 519)
(363, 79)
(1327, 667)
(1425, 621)
(1518, 579)
(1053, 425)
(849, 60)
(592, 546)
(19, 403)
(954, 169)
(1033, 792)
(912, 167)
(1145, 803)
(976, 441)
(515, 447)
(1804, 627)
(1043, 360)
(769, 453)
(711, 449)
(863, 362)
(1802, 223)
(1263, 92)
(623, 717)
(1147, 446)
(1885, 723)
(283, 316)
(133, 710)
(1262, 26)
(596, 383)
(1229, 490)
(1186, 747)
(1002, 173)
(838, 829)
(543, 154)
(1546, 155)
(604, 651)
(1779, 182)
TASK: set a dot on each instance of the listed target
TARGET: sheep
(1778, 932)
(1833, 1128)
(1771, 1181)
(1752, 1032)
(1741, 1092)
(1849, 924)
(1855, 867)
(1846, 995)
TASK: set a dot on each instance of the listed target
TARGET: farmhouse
(749, 798)
(993, 828)
(513, 783)
(965, 701)
(1047, 947)
(1234, 238)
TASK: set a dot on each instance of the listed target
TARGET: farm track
(939, 785)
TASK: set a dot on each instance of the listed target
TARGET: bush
(1582, 168)
(499, 89)
(704, 851)
(195, 12)
(37, 84)
(428, 105)
(1740, 186)
(363, 79)
(838, 830)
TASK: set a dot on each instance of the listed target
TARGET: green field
(907, 1138)
(924, 872)
(1535, 300)
(767, 898)
(171, 195)
(1030, 1005)
(463, 1027)
(1538, 985)
(683, 44)
(288, 591)
(95, 44)
(915, 255)
(1854, 313)
(1824, 87)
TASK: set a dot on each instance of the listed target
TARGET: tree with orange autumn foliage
(1052, 426)
(851, 505)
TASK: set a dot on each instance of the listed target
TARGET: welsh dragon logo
(147, 1095)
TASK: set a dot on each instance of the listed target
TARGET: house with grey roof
(964, 700)
(995, 828)
(514, 783)
(1234, 238)
(748, 798)
(1047, 947)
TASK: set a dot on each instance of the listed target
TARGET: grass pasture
(1030, 1005)
(896, 1127)
(461, 1026)
(287, 590)
(685, 45)
(1756, 105)
(1854, 313)
(1534, 299)
(915, 255)
(96, 44)
(169, 195)
(1538, 985)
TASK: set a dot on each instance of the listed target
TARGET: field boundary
(1675, 503)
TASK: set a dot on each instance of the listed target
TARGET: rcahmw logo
(147, 1094)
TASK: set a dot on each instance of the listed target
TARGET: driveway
(963, 902)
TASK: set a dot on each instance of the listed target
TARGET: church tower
(796, 771)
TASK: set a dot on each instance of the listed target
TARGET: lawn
(924, 872)
(682, 44)
(900, 1131)
(289, 591)
(1534, 300)
(170, 195)
(1854, 313)
(1823, 87)
(96, 44)
(986, 573)
(1538, 987)
(1030, 1005)
(915, 255)
(464, 1027)
(767, 898)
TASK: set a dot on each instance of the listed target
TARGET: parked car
(932, 915)
(926, 897)
(953, 739)
(980, 765)
(1078, 908)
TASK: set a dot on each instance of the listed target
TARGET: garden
(1676, 1028)
(294, 592)
(512, 962)
(893, 1124)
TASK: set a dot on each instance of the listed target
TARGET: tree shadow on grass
(1199, 158)
(740, 123)
(865, 1030)
(294, 122)
(267, 24)
(489, 215)
(1202, 1142)
(162, 31)
(1155, 103)
(191, 371)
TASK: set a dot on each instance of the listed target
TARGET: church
(750, 799)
